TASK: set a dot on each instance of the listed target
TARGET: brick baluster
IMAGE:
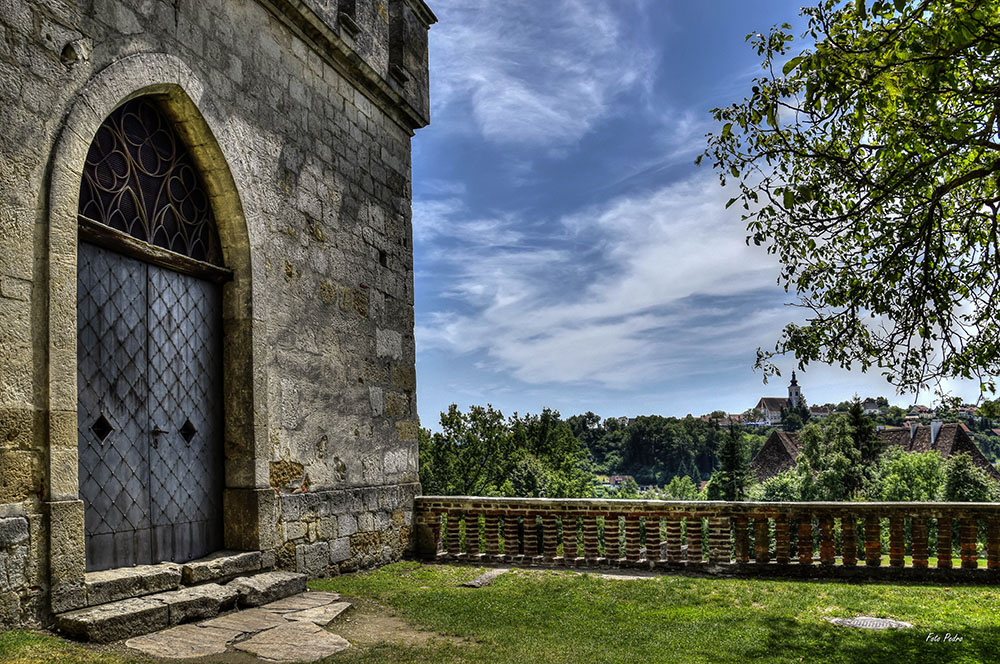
(492, 537)
(944, 542)
(969, 534)
(694, 532)
(511, 545)
(804, 548)
(761, 540)
(742, 539)
(673, 533)
(873, 541)
(436, 529)
(827, 549)
(550, 537)
(633, 541)
(653, 539)
(782, 541)
(918, 531)
(570, 542)
(454, 535)
(993, 543)
(591, 544)
(849, 537)
(472, 535)
(897, 540)
(530, 537)
(612, 547)
(718, 540)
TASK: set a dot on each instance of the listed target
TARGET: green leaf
(792, 64)
(731, 201)
(727, 129)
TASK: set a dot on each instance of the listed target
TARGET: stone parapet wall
(329, 532)
(717, 537)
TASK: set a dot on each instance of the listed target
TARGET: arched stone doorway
(149, 346)
(248, 506)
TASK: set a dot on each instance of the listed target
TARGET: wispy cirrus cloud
(618, 293)
(533, 73)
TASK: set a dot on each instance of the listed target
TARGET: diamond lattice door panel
(149, 407)
(184, 378)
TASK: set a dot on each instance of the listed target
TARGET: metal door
(149, 385)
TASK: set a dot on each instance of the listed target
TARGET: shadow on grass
(791, 640)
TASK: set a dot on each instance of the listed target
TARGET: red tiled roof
(774, 404)
(782, 448)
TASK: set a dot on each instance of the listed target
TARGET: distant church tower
(794, 393)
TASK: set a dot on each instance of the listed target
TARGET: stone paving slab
(867, 622)
(319, 615)
(486, 578)
(288, 630)
(247, 621)
(307, 600)
(294, 642)
(184, 641)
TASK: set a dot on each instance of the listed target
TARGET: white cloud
(616, 294)
(533, 73)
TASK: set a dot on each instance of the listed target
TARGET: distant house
(729, 420)
(871, 407)
(615, 481)
(819, 412)
(782, 448)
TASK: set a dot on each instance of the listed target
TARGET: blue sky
(569, 254)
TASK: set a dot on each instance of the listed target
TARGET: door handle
(156, 435)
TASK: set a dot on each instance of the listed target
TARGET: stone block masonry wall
(329, 532)
(302, 128)
(20, 571)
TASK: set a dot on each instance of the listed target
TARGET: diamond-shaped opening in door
(188, 431)
(102, 428)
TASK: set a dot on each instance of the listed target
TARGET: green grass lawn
(564, 617)
(579, 618)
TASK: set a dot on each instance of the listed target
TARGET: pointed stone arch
(248, 506)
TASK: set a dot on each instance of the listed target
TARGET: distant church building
(771, 407)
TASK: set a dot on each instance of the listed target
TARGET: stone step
(116, 620)
(221, 566)
(128, 582)
(126, 618)
(267, 587)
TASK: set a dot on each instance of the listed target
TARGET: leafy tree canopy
(868, 165)
(963, 482)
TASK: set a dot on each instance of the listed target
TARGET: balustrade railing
(912, 540)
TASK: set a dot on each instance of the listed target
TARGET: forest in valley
(482, 452)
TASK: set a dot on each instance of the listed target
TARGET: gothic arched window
(139, 179)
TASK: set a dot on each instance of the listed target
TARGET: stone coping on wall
(702, 508)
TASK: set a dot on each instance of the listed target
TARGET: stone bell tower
(795, 398)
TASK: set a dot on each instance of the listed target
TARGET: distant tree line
(482, 452)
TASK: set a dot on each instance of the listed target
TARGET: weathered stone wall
(303, 130)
